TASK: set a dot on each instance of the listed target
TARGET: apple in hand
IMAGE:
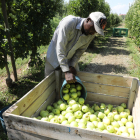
(78, 87)
(65, 90)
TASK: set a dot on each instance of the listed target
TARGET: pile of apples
(97, 117)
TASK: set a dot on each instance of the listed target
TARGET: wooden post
(132, 94)
(58, 75)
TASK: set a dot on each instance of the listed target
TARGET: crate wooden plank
(136, 112)
(132, 94)
(104, 79)
(96, 97)
(57, 131)
(107, 89)
(33, 94)
(17, 135)
(39, 101)
(48, 101)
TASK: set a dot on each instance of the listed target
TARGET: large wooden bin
(101, 88)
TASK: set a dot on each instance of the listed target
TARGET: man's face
(88, 27)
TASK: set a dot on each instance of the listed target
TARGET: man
(70, 40)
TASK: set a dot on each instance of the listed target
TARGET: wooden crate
(100, 88)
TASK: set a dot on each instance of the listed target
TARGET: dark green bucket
(83, 91)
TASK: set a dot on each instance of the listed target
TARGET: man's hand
(72, 70)
(70, 78)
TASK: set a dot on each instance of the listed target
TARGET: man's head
(96, 22)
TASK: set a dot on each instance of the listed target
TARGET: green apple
(107, 111)
(115, 124)
(69, 109)
(65, 90)
(88, 113)
(75, 107)
(64, 113)
(69, 100)
(76, 99)
(61, 118)
(132, 136)
(74, 124)
(120, 109)
(101, 125)
(54, 120)
(123, 129)
(93, 117)
(110, 129)
(81, 125)
(91, 110)
(63, 106)
(127, 111)
(102, 106)
(74, 95)
(130, 118)
(96, 108)
(49, 108)
(98, 129)
(110, 106)
(59, 102)
(83, 121)
(67, 85)
(96, 113)
(117, 117)
(85, 108)
(45, 119)
(73, 90)
(125, 134)
(81, 101)
(95, 123)
(72, 102)
(90, 125)
(77, 120)
(55, 105)
(50, 116)
(101, 115)
(39, 117)
(120, 123)
(110, 117)
(105, 131)
(92, 107)
(68, 115)
(86, 116)
(114, 111)
(78, 93)
(56, 111)
(65, 122)
(123, 105)
(66, 97)
(44, 113)
(129, 125)
(71, 119)
(98, 119)
(124, 120)
(123, 115)
(78, 114)
(106, 121)
(131, 131)
(78, 87)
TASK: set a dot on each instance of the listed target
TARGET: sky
(118, 6)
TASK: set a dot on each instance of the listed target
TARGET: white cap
(96, 17)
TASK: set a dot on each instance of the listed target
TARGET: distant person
(70, 40)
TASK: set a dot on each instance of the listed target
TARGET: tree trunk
(9, 38)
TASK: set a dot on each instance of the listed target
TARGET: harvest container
(119, 32)
(100, 88)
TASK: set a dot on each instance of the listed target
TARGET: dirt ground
(113, 58)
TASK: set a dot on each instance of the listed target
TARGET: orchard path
(113, 58)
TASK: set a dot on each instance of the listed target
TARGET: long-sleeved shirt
(68, 43)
